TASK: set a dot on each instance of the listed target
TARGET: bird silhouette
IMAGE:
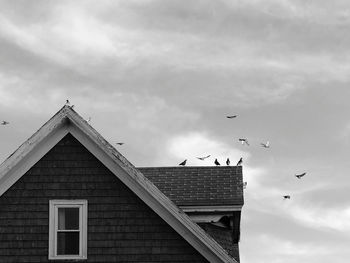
(299, 175)
(286, 196)
(244, 141)
(67, 102)
(203, 158)
(5, 122)
(265, 145)
(119, 143)
(231, 116)
(183, 163)
(240, 161)
(228, 161)
(216, 162)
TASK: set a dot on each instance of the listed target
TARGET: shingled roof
(198, 185)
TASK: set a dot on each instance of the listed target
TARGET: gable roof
(65, 121)
(199, 185)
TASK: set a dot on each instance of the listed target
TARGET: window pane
(68, 243)
(68, 218)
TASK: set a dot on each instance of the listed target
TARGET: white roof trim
(210, 208)
(68, 121)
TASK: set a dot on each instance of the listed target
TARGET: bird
(244, 141)
(286, 196)
(203, 158)
(119, 143)
(216, 162)
(67, 102)
(4, 122)
(228, 161)
(231, 116)
(299, 175)
(240, 162)
(183, 163)
(265, 145)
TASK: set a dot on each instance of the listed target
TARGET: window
(68, 229)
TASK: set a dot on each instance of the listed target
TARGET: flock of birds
(244, 141)
(216, 162)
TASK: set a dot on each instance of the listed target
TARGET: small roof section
(199, 185)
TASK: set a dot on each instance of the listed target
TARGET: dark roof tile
(198, 185)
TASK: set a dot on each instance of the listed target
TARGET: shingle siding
(121, 227)
(224, 237)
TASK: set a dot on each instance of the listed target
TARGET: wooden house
(67, 195)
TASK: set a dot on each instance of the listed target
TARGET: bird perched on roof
(216, 162)
(119, 143)
(67, 102)
(240, 161)
(244, 141)
(4, 122)
(265, 145)
(231, 116)
(203, 158)
(299, 175)
(183, 163)
(286, 196)
(228, 161)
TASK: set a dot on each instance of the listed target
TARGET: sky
(161, 76)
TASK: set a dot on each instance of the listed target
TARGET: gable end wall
(121, 227)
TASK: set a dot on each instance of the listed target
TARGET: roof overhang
(210, 208)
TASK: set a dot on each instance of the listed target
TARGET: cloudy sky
(162, 75)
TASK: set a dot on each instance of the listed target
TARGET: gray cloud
(150, 71)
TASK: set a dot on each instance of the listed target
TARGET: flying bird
(299, 175)
(203, 158)
(286, 196)
(183, 163)
(244, 141)
(240, 162)
(5, 122)
(265, 145)
(231, 116)
(216, 162)
(119, 143)
(228, 161)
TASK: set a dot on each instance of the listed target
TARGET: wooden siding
(224, 237)
(121, 228)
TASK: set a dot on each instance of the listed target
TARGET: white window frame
(53, 227)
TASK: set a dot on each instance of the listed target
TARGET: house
(67, 195)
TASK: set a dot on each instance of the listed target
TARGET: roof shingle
(198, 185)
